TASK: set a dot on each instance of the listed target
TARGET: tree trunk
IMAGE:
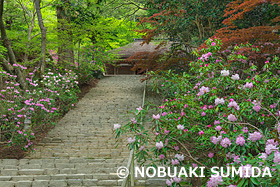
(43, 37)
(7, 44)
(7, 66)
(197, 22)
(30, 29)
(65, 36)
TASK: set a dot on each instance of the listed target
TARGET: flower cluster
(21, 106)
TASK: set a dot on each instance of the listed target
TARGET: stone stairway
(81, 149)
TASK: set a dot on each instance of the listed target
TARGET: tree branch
(189, 154)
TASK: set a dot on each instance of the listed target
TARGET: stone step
(61, 183)
(72, 180)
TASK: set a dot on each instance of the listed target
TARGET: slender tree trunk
(65, 36)
(43, 37)
(1, 86)
(30, 29)
(197, 22)
(210, 25)
(60, 32)
(6, 65)
(7, 44)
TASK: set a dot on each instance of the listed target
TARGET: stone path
(80, 150)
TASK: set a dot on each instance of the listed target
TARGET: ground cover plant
(223, 111)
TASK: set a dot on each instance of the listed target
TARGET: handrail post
(132, 170)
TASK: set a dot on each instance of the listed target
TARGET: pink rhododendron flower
(248, 85)
(156, 117)
(210, 155)
(240, 140)
(174, 162)
(177, 179)
(201, 133)
(213, 43)
(246, 171)
(169, 182)
(255, 136)
(203, 90)
(225, 142)
(263, 156)
(141, 148)
(215, 181)
(269, 148)
(232, 117)
(162, 156)
(205, 56)
(159, 145)
(218, 128)
(245, 129)
(194, 165)
(272, 141)
(133, 121)
(166, 131)
(131, 140)
(276, 158)
(215, 140)
(217, 122)
(234, 105)
(164, 114)
(203, 114)
(257, 108)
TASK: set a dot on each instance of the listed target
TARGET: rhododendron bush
(24, 111)
(222, 111)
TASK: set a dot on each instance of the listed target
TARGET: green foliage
(91, 63)
(184, 22)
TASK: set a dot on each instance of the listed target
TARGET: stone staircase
(81, 150)
(60, 172)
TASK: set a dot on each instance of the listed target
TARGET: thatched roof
(135, 47)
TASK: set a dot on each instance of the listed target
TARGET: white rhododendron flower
(117, 126)
(225, 73)
(235, 77)
(180, 157)
(219, 101)
(159, 145)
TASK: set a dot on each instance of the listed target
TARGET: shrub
(223, 112)
(24, 111)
